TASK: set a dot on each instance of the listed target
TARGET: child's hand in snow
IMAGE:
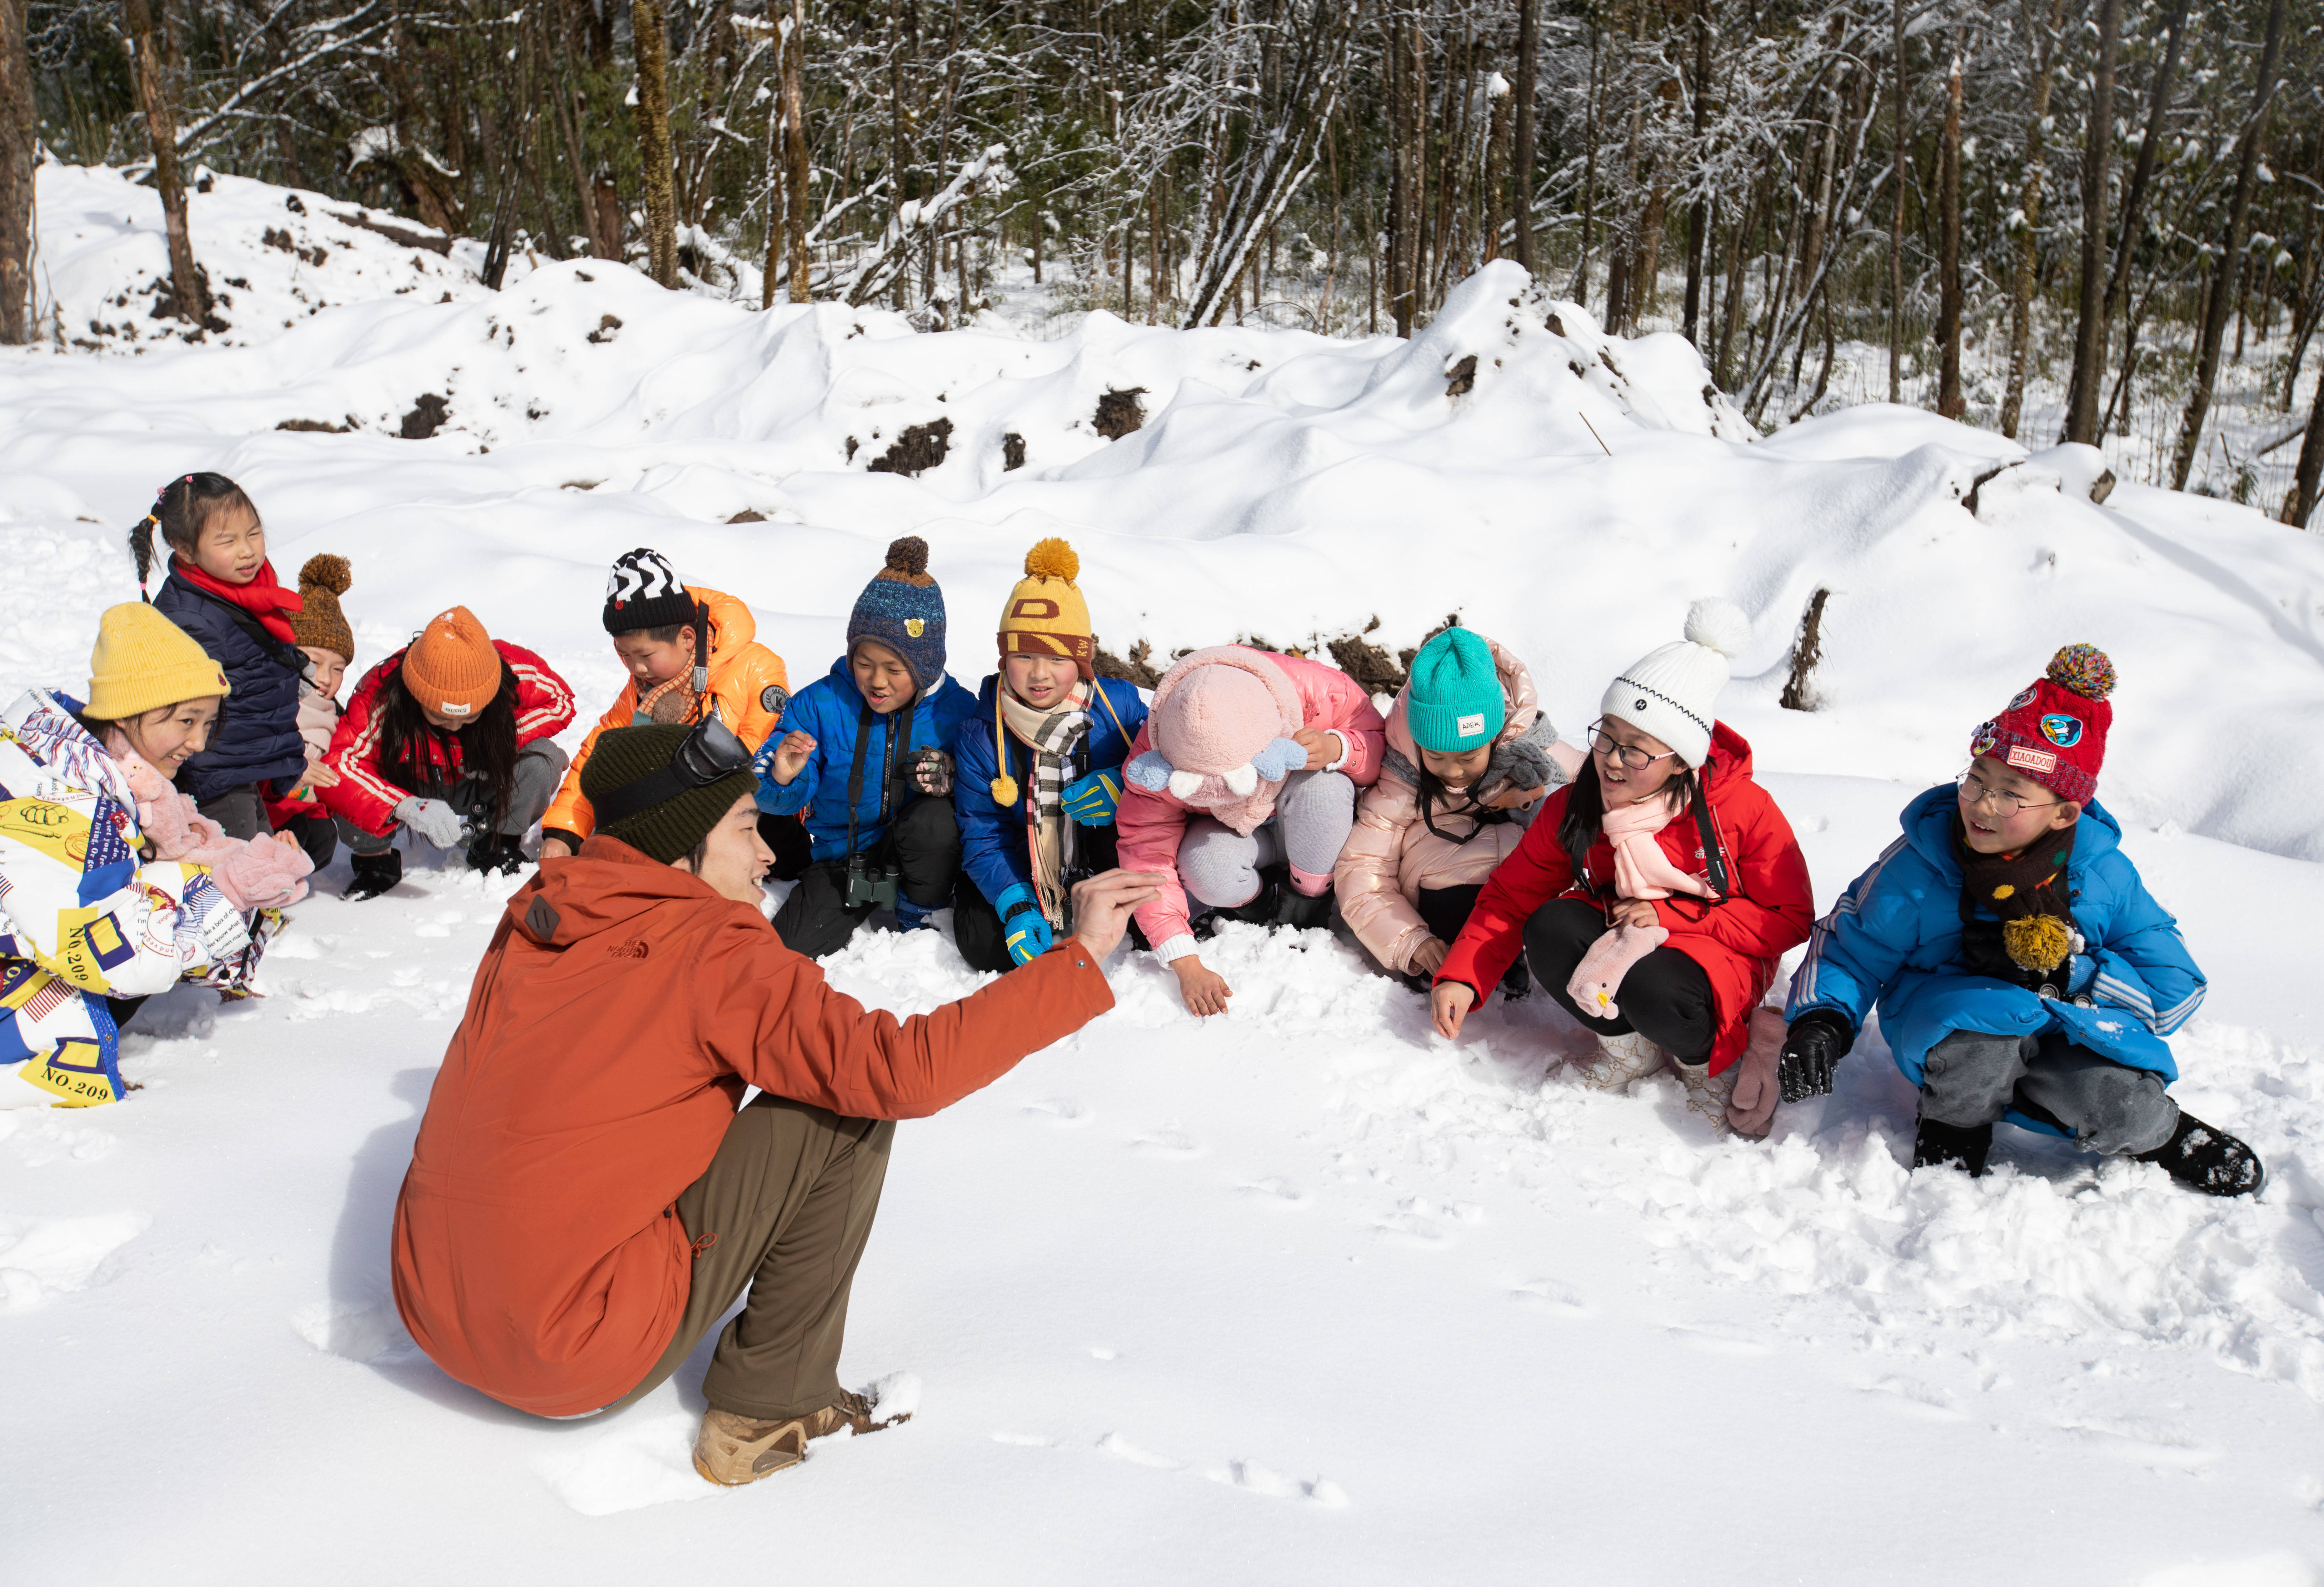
(1429, 956)
(790, 757)
(1321, 748)
(1450, 1003)
(1204, 989)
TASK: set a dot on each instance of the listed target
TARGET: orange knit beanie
(452, 668)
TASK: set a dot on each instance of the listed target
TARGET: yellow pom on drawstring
(2037, 942)
(1052, 559)
(1004, 790)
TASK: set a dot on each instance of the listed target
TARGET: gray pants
(1971, 1078)
(540, 768)
(1219, 866)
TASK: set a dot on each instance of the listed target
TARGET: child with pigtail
(1038, 771)
(222, 592)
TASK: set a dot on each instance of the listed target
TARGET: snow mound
(1567, 493)
(42, 1258)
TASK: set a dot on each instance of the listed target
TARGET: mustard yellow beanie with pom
(142, 662)
(1045, 614)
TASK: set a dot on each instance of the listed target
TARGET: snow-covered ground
(1305, 1294)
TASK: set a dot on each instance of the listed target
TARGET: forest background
(2072, 219)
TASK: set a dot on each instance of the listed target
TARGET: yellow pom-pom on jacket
(2037, 942)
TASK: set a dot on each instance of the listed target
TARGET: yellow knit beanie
(1045, 614)
(142, 662)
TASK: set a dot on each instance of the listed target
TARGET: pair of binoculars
(871, 884)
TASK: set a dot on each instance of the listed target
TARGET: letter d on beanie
(1673, 693)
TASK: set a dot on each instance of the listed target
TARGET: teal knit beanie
(1454, 702)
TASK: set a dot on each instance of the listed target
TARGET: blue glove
(1023, 927)
(1092, 801)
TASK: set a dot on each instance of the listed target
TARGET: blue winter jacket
(829, 711)
(995, 840)
(1896, 935)
(256, 740)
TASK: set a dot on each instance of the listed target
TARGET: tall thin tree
(2098, 170)
(1951, 403)
(19, 141)
(2028, 219)
(654, 158)
(1528, 85)
(2248, 144)
(186, 280)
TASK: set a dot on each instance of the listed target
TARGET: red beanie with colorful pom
(2055, 732)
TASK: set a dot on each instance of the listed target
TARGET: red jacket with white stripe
(369, 788)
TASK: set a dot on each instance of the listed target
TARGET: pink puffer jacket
(1151, 823)
(1391, 854)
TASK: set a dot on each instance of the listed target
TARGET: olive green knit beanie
(669, 830)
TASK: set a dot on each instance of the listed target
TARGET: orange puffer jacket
(747, 680)
(617, 1017)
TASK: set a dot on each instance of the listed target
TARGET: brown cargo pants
(785, 1210)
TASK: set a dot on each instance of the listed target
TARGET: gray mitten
(1525, 762)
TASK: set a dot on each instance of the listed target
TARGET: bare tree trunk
(1499, 108)
(2098, 162)
(1589, 181)
(795, 159)
(1896, 227)
(193, 298)
(1697, 211)
(2231, 258)
(2301, 505)
(1528, 70)
(1951, 403)
(2029, 207)
(2133, 202)
(19, 140)
(653, 138)
(1404, 198)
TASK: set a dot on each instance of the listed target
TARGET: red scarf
(264, 597)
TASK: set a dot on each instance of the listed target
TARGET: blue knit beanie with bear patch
(902, 608)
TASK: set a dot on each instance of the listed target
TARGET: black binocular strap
(887, 766)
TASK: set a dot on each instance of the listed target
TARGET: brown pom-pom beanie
(320, 622)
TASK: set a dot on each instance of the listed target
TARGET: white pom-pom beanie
(1673, 693)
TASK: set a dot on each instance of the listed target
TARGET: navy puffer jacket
(256, 740)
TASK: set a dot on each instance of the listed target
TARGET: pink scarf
(1641, 869)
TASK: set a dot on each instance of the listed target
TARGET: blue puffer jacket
(829, 711)
(257, 737)
(1896, 935)
(995, 840)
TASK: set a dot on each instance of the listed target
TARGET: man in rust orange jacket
(585, 1197)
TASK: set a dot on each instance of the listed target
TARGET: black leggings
(922, 842)
(1665, 997)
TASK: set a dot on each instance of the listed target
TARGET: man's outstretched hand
(1103, 905)
(1818, 1040)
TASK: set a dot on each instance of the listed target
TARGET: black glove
(1818, 1040)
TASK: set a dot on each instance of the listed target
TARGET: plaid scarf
(1052, 738)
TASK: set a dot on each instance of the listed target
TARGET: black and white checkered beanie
(643, 591)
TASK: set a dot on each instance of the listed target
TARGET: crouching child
(864, 759)
(2022, 969)
(1039, 770)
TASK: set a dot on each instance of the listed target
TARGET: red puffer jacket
(368, 789)
(1766, 913)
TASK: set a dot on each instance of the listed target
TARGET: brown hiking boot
(732, 1450)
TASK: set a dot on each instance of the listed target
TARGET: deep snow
(1306, 1294)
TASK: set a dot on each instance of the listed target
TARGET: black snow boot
(1301, 913)
(1965, 1146)
(375, 874)
(1516, 981)
(496, 851)
(2205, 1158)
(1261, 911)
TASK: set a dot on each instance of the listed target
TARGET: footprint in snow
(1120, 1448)
(1254, 1478)
(1551, 1295)
(1276, 1193)
(1175, 1144)
(1918, 1401)
(1717, 1339)
(1063, 1111)
(2141, 1444)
